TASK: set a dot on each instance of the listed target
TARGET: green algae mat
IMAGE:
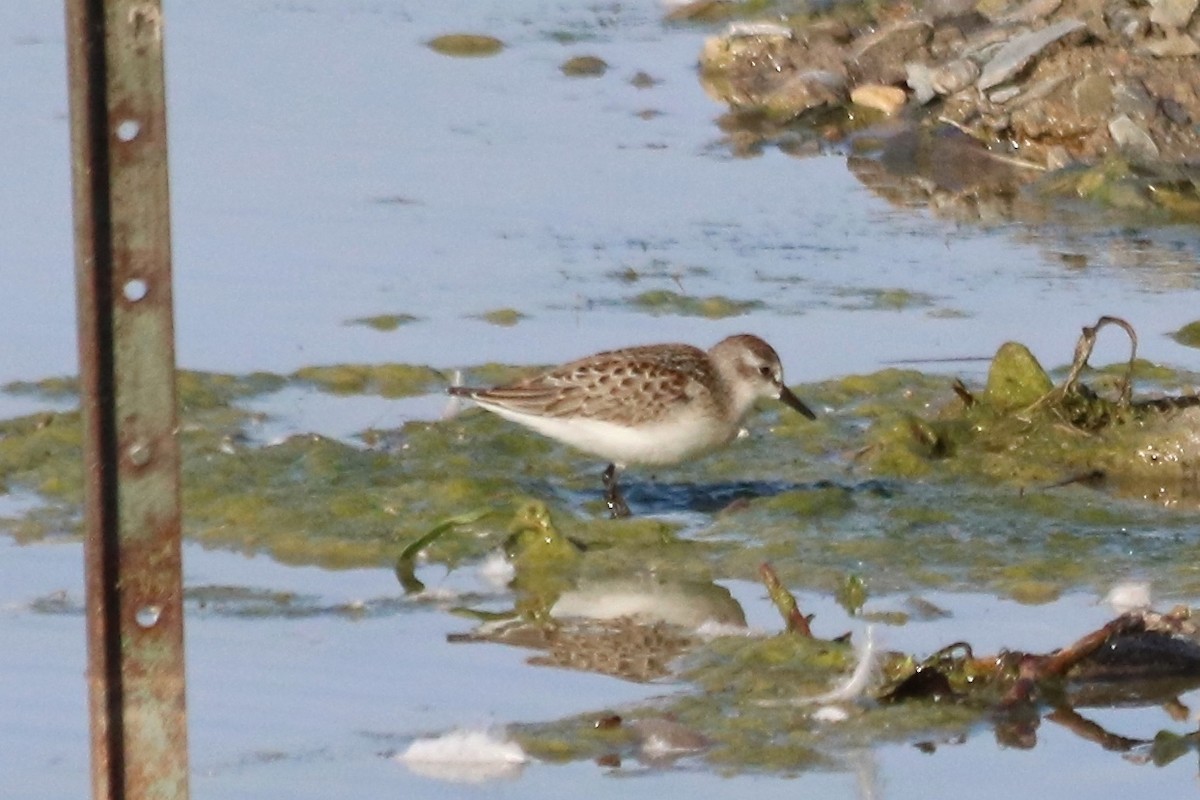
(1030, 485)
(1023, 486)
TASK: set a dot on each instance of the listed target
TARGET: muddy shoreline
(1085, 98)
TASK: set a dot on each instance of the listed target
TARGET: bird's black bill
(789, 399)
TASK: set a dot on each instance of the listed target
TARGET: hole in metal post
(139, 454)
(135, 289)
(147, 616)
(128, 129)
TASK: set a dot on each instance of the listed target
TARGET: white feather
(668, 442)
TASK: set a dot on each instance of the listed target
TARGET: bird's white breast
(666, 442)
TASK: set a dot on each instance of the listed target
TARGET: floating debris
(465, 756)
(1128, 597)
(584, 67)
(466, 45)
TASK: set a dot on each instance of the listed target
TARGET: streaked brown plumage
(653, 404)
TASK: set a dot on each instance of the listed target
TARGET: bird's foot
(612, 494)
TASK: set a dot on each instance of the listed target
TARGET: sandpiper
(654, 405)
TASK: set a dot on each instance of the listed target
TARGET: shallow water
(327, 166)
(309, 684)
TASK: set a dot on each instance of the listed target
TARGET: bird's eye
(765, 371)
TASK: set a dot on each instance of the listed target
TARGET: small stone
(1016, 54)
(1172, 15)
(948, 78)
(944, 79)
(877, 56)
(1128, 23)
(738, 30)
(1130, 97)
(1002, 96)
(1032, 11)
(1175, 111)
(888, 99)
(1057, 158)
(584, 67)
(1132, 140)
(920, 79)
(831, 714)
(1040, 90)
(1175, 45)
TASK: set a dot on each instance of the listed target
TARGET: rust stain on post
(127, 377)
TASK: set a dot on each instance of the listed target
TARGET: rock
(1128, 23)
(1015, 55)
(1174, 111)
(920, 79)
(731, 50)
(1033, 11)
(1172, 15)
(1175, 45)
(1131, 98)
(888, 99)
(1057, 158)
(1040, 90)
(803, 92)
(1055, 82)
(878, 57)
(938, 10)
(985, 43)
(954, 75)
(944, 79)
(737, 30)
(1132, 140)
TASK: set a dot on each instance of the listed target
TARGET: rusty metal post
(127, 399)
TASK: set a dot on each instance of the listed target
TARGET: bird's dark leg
(612, 494)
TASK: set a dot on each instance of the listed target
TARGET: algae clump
(664, 301)
(386, 380)
(384, 322)
(1015, 379)
(503, 317)
(466, 45)
(1188, 335)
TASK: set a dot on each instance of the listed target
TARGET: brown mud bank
(964, 102)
